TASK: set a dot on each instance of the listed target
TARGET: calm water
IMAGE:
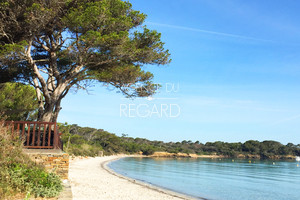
(217, 179)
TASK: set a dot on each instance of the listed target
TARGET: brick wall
(53, 162)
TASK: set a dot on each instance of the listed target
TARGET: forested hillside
(89, 141)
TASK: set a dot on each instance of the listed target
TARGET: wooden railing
(36, 135)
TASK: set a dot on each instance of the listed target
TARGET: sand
(91, 179)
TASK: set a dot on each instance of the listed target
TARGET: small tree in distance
(62, 44)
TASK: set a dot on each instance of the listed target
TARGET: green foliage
(34, 180)
(58, 45)
(77, 144)
(88, 141)
(147, 150)
(18, 174)
(10, 50)
(18, 102)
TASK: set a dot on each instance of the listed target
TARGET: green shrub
(18, 174)
(84, 150)
(148, 150)
(34, 180)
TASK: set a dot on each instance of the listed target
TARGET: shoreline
(145, 184)
(162, 154)
(91, 178)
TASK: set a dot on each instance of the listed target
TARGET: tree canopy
(88, 141)
(18, 102)
(62, 44)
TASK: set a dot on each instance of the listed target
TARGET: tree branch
(37, 73)
(122, 90)
(42, 45)
(53, 56)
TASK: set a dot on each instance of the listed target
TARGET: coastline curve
(159, 189)
(91, 178)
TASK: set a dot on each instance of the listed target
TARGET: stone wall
(53, 162)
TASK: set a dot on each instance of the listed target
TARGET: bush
(83, 150)
(148, 150)
(18, 174)
(34, 180)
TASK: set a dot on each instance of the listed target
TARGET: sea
(216, 179)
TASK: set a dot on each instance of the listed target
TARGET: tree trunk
(50, 112)
(46, 116)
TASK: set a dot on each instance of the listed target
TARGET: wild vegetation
(19, 176)
(89, 141)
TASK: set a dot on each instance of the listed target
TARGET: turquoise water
(223, 179)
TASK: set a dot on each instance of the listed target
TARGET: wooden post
(33, 135)
(49, 135)
(28, 134)
(55, 139)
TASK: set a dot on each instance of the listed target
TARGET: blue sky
(234, 76)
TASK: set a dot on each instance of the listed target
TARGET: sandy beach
(91, 179)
